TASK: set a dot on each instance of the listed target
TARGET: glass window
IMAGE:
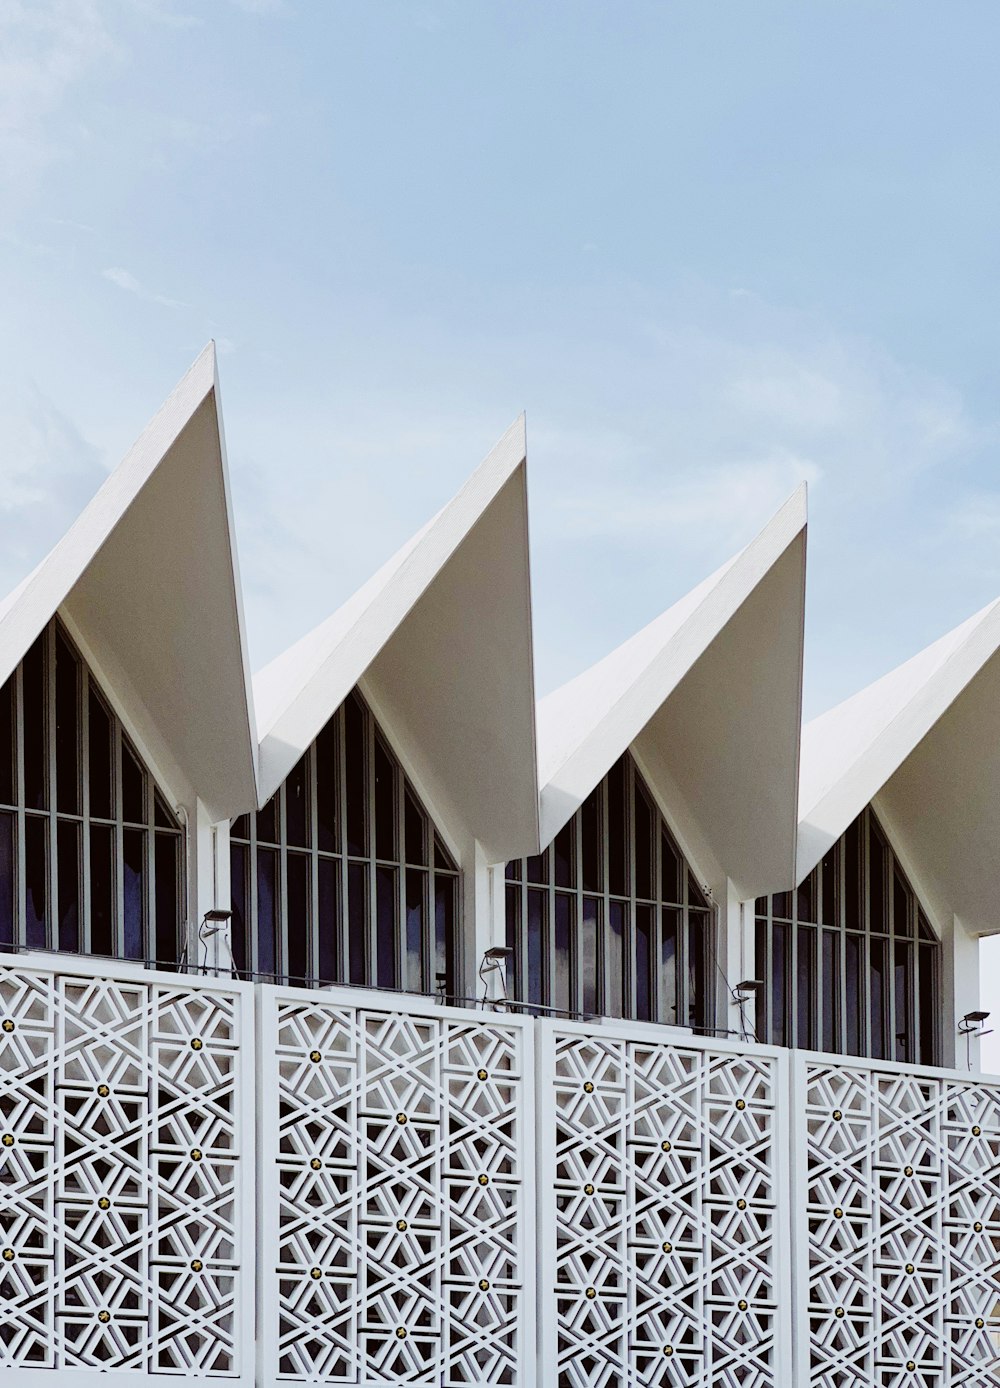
(861, 986)
(83, 781)
(613, 923)
(344, 876)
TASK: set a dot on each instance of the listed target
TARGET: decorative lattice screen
(901, 1198)
(661, 1186)
(124, 1174)
(397, 1196)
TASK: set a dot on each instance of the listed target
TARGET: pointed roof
(148, 577)
(924, 743)
(441, 637)
(710, 693)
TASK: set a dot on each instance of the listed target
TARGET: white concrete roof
(710, 693)
(924, 743)
(441, 637)
(148, 576)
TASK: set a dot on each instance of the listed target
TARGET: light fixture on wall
(971, 1025)
(214, 923)
(495, 961)
(744, 992)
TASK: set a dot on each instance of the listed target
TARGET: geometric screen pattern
(120, 1175)
(398, 1234)
(902, 1196)
(666, 1183)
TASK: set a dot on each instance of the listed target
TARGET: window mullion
(21, 908)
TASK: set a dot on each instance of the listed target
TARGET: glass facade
(341, 877)
(849, 961)
(90, 852)
(609, 920)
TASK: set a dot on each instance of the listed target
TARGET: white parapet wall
(451, 1197)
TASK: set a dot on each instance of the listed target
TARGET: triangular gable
(441, 637)
(710, 692)
(923, 743)
(147, 577)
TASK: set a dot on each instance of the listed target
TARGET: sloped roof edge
(589, 722)
(79, 574)
(851, 752)
(297, 692)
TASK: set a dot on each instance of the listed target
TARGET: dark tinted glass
(327, 809)
(902, 915)
(828, 874)
(102, 890)
(805, 988)
(927, 992)
(878, 882)
(536, 980)
(68, 867)
(562, 981)
(67, 739)
(643, 846)
(100, 759)
(698, 927)
(537, 868)
(162, 817)
(7, 766)
(356, 776)
(671, 873)
(7, 878)
(781, 905)
(765, 971)
(238, 876)
(671, 923)
(513, 919)
(166, 850)
(591, 850)
(385, 803)
(513, 870)
(617, 980)
(853, 980)
(779, 965)
(618, 822)
(878, 1014)
(36, 880)
(297, 804)
(445, 945)
(357, 922)
(385, 909)
(416, 883)
(805, 904)
(644, 946)
(134, 879)
(330, 967)
(35, 716)
(831, 991)
(416, 843)
(298, 917)
(133, 787)
(267, 822)
(267, 910)
(240, 828)
(852, 878)
(589, 953)
(902, 970)
(563, 852)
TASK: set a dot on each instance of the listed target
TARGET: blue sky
(711, 248)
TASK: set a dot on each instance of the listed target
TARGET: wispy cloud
(124, 279)
(48, 473)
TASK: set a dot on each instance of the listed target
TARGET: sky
(712, 249)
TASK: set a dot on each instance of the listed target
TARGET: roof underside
(147, 575)
(710, 694)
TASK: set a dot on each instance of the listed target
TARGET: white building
(366, 1023)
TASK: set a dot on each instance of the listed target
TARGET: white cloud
(48, 473)
(124, 279)
(48, 46)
